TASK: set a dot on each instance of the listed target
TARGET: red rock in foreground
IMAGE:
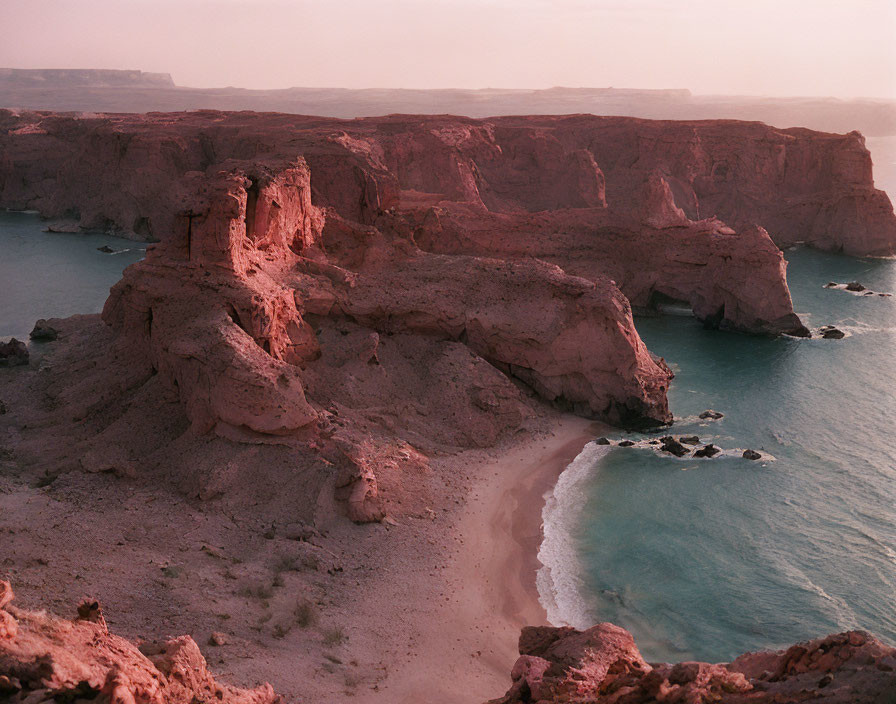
(48, 659)
(603, 666)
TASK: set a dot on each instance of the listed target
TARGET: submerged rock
(751, 455)
(689, 439)
(626, 443)
(105, 249)
(711, 415)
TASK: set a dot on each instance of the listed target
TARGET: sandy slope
(375, 613)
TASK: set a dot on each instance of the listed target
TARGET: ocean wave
(864, 329)
(560, 579)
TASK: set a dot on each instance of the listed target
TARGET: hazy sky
(844, 48)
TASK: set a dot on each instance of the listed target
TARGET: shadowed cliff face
(603, 665)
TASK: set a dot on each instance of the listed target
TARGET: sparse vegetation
(305, 614)
(334, 636)
(257, 591)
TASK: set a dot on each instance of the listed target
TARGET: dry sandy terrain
(375, 613)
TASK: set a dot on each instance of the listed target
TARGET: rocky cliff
(327, 303)
(525, 241)
(603, 666)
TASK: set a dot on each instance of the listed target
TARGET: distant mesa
(49, 78)
(99, 90)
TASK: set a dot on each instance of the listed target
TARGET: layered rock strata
(603, 666)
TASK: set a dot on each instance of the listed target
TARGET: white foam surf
(560, 579)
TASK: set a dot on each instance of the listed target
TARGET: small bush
(304, 613)
(334, 636)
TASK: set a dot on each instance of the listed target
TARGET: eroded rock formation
(603, 666)
(47, 659)
(304, 265)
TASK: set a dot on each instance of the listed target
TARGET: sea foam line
(560, 579)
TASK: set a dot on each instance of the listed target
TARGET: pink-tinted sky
(843, 48)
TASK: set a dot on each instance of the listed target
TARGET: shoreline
(491, 583)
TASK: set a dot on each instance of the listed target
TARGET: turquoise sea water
(707, 559)
(53, 275)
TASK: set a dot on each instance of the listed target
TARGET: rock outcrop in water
(603, 666)
(47, 659)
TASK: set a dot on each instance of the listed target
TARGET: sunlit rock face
(45, 658)
(603, 665)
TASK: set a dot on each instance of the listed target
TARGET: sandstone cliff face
(291, 249)
(49, 659)
(603, 665)
(226, 335)
(589, 194)
(571, 339)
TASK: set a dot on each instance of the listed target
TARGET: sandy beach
(473, 636)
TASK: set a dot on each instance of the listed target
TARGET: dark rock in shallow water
(751, 455)
(13, 353)
(105, 249)
(689, 439)
(672, 446)
(829, 332)
(43, 331)
(653, 442)
(831, 284)
(854, 286)
(626, 443)
(885, 295)
(711, 415)
(707, 451)
(601, 441)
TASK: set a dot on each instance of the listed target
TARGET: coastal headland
(314, 426)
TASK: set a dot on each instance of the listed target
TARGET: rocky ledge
(47, 659)
(603, 666)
